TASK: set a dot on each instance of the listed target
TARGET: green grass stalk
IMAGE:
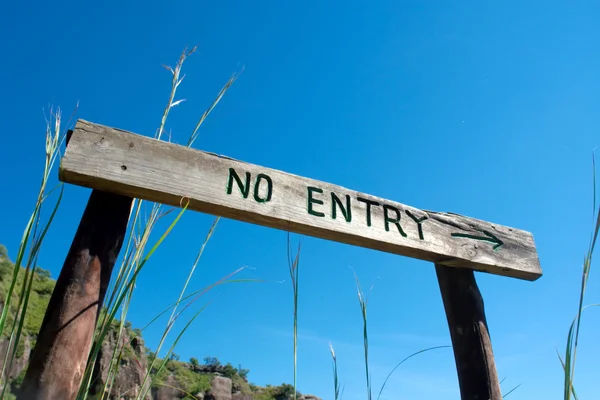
(363, 301)
(293, 266)
(34, 233)
(150, 377)
(406, 359)
(511, 390)
(336, 381)
(173, 316)
(568, 363)
(121, 293)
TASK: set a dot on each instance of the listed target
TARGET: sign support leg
(477, 376)
(58, 361)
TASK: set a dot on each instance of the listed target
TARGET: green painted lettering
(257, 197)
(335, 201)
(311, 200)
(369, 203)
(244, 188)
(418, 221)
(395, 221)
(489, 237)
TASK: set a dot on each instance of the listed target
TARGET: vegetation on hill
(189, 377)
(39, 296)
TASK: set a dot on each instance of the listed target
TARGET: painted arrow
(489, 237)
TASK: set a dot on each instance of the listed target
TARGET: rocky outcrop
(221, 389)
(132, 370)
(20, 361)
(169, 391)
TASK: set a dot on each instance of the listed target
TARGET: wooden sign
(125, 163)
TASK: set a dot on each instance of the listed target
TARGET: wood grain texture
(118, 161)
(465, 312)
(58, 361)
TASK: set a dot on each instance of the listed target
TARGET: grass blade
(293, 267)
(512, 390)
(336, 382)
(363, 308)
(406, 359)
(195, 133)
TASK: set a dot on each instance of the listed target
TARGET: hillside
(179, 380)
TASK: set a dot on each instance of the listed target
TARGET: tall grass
(403, 361)
(363, 309)
(134, 259)
(135, 256)
(293, 266)
(337, 393)
(363, 303)
(568, 363)
(34, 234)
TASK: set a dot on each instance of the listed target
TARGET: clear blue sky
(489, 109)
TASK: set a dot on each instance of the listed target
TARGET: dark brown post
(477, 376)
(59, 358)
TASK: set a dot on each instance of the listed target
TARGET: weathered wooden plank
(473, 354)
(118, 161)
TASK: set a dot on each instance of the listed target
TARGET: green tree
(284, 392)
(229, 371)
(212, 361)
(194, 361)
(43, 273)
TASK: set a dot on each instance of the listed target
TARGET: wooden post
(59, 358)
(477, 376)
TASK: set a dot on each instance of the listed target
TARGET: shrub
(212, 361)
(229, 371)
